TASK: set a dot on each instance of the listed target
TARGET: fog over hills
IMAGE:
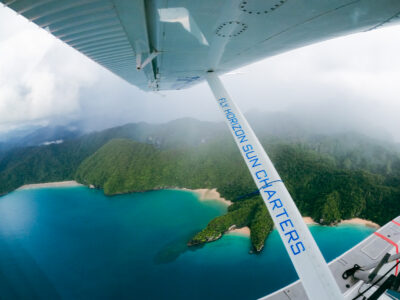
(60, 150)
(330, 176)
(340, 85)
(37, 136)
(284, 125)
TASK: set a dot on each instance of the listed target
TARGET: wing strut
(306, 257)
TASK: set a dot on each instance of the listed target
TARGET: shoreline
(352, 221)
(203, 195)
(358, 221)
(243, 231)
(69, 183)
(309, 221)
(209, 194)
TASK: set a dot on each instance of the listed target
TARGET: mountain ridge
(329, 177)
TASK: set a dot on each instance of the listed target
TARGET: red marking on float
(390, 242)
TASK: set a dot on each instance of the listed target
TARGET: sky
(349, 83)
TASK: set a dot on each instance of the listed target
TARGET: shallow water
(76, 243)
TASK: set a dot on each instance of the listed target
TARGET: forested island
(330, 177)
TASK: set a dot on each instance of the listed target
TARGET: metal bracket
(140, 65)
(350, 272)
(383, 261)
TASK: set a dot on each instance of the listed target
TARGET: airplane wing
(175, 42)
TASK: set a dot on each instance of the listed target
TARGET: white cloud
(40, 77)
(346, 82)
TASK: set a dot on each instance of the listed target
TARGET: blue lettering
(283, 214)
(279, 205)
(298, 250)
(241, 132)
(261, 171)
(243, 139)
(233, 120)
(247, 155)
(293, 235)
(285, 223)
(270, 194)
(266, 184)
(228, 111)
(255, 163)
(236, 126)
(230, 115)
(247, 147)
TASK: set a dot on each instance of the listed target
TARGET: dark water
(76, 243)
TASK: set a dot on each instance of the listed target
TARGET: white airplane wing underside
(187, 38)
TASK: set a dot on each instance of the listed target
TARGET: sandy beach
(360, 222)
(246, 230)
(70, 183)
(240, 231)
(207, 194)
(309, 220)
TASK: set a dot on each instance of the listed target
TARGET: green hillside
(330, 177)
(28, 165)
(321, 189)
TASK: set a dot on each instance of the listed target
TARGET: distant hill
(331, 177)
(38, 136)
(53, 162)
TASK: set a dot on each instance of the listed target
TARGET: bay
(77, 243)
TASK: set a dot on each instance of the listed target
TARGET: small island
(250, 213)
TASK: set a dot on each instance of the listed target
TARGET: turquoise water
(76, 243)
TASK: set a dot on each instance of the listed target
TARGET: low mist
(341, 85)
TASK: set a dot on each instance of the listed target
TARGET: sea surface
(76, 243)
